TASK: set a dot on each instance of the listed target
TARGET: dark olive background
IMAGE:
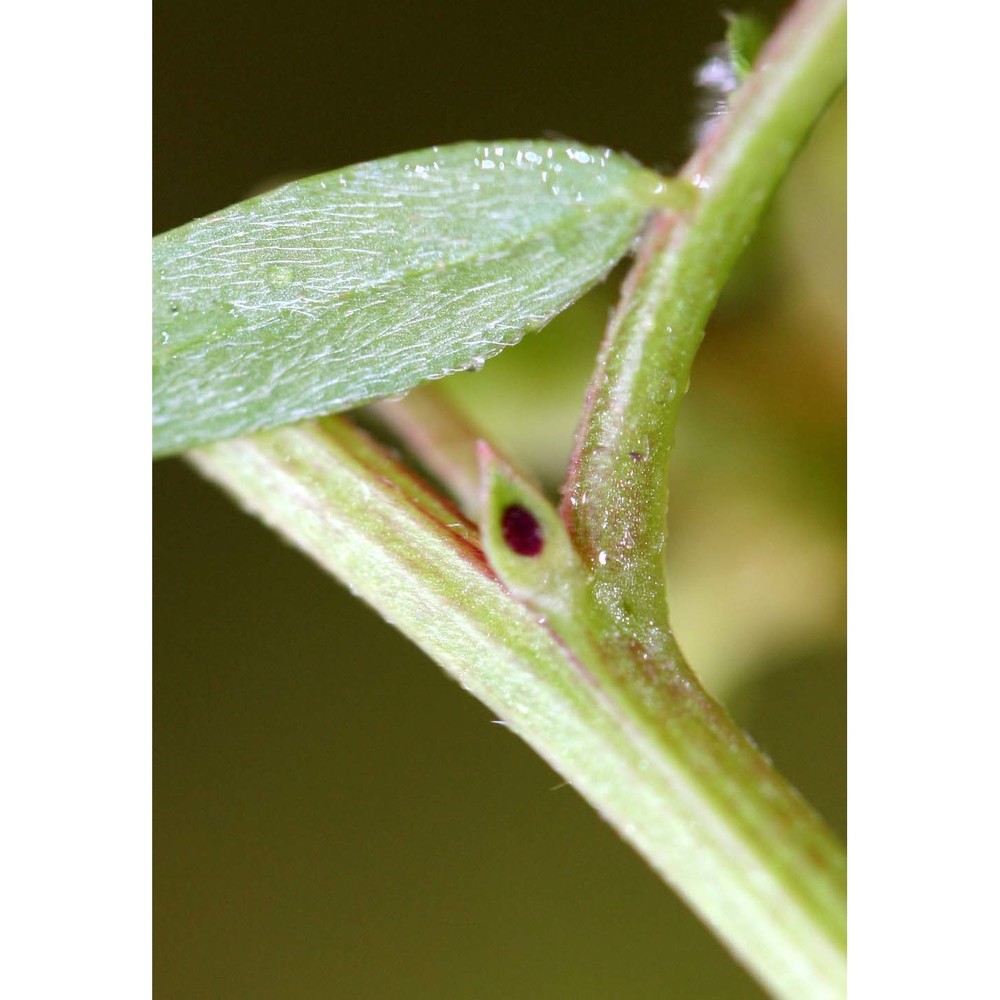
(334, 817)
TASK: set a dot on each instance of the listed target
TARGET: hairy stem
(616, 496)
(592, 677)
(615, 500)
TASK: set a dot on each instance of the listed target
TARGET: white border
(75, 735)
(923, 500)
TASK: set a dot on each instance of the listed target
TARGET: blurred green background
(334, 817)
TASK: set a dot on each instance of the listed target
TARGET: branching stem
(602, 692)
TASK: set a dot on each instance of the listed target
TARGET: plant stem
(605, 696)
(336, 494)
(616, 495)
(440, 437)
(791, 872)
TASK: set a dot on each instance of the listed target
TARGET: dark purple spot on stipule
(521, 530)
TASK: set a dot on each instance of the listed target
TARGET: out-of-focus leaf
(358, 284)
(745, 35)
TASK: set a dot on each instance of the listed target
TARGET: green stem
(616, 495)
(602, 692)
(685, 794)
(439, 436)
(614, 506)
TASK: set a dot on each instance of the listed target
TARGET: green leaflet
(745, 35)
(358, 284)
